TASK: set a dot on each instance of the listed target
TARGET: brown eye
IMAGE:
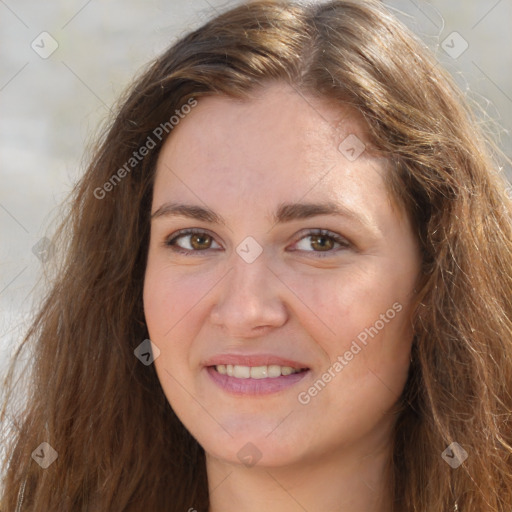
(322, 241)
(199, 241)
(191, 241)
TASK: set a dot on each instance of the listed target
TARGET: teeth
(274, 370)
(241, 372)
(259, 372)
(255, 372)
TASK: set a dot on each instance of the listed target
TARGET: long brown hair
(119, 444)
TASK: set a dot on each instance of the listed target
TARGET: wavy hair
(120, 446)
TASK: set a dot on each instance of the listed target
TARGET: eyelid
(337, 238)
(183, 232)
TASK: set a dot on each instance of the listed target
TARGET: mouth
(245, 381)
(272, 371)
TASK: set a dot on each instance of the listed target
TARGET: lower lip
(254, 386)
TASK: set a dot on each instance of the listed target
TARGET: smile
(246, 381)
(256, 372)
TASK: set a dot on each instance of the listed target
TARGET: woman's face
(258, 288)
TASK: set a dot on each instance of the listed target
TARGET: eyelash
(170, 241)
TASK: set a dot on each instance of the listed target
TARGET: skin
(242, 159)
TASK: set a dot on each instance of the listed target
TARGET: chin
(257, 450)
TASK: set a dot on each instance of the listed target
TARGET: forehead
(300, 122)
(278, 145)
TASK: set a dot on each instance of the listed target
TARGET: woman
(295, 205)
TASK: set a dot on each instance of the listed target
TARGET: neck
(344, 482)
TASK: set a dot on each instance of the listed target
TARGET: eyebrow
(286, 212)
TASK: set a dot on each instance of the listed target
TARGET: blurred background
(63, 63)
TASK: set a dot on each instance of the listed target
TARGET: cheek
(173, 301)
(361, 315)
(340, 305)
(167, 302)
(171, 296)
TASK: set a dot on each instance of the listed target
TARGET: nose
(249, 299)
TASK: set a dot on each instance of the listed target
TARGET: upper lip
(253, 360)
